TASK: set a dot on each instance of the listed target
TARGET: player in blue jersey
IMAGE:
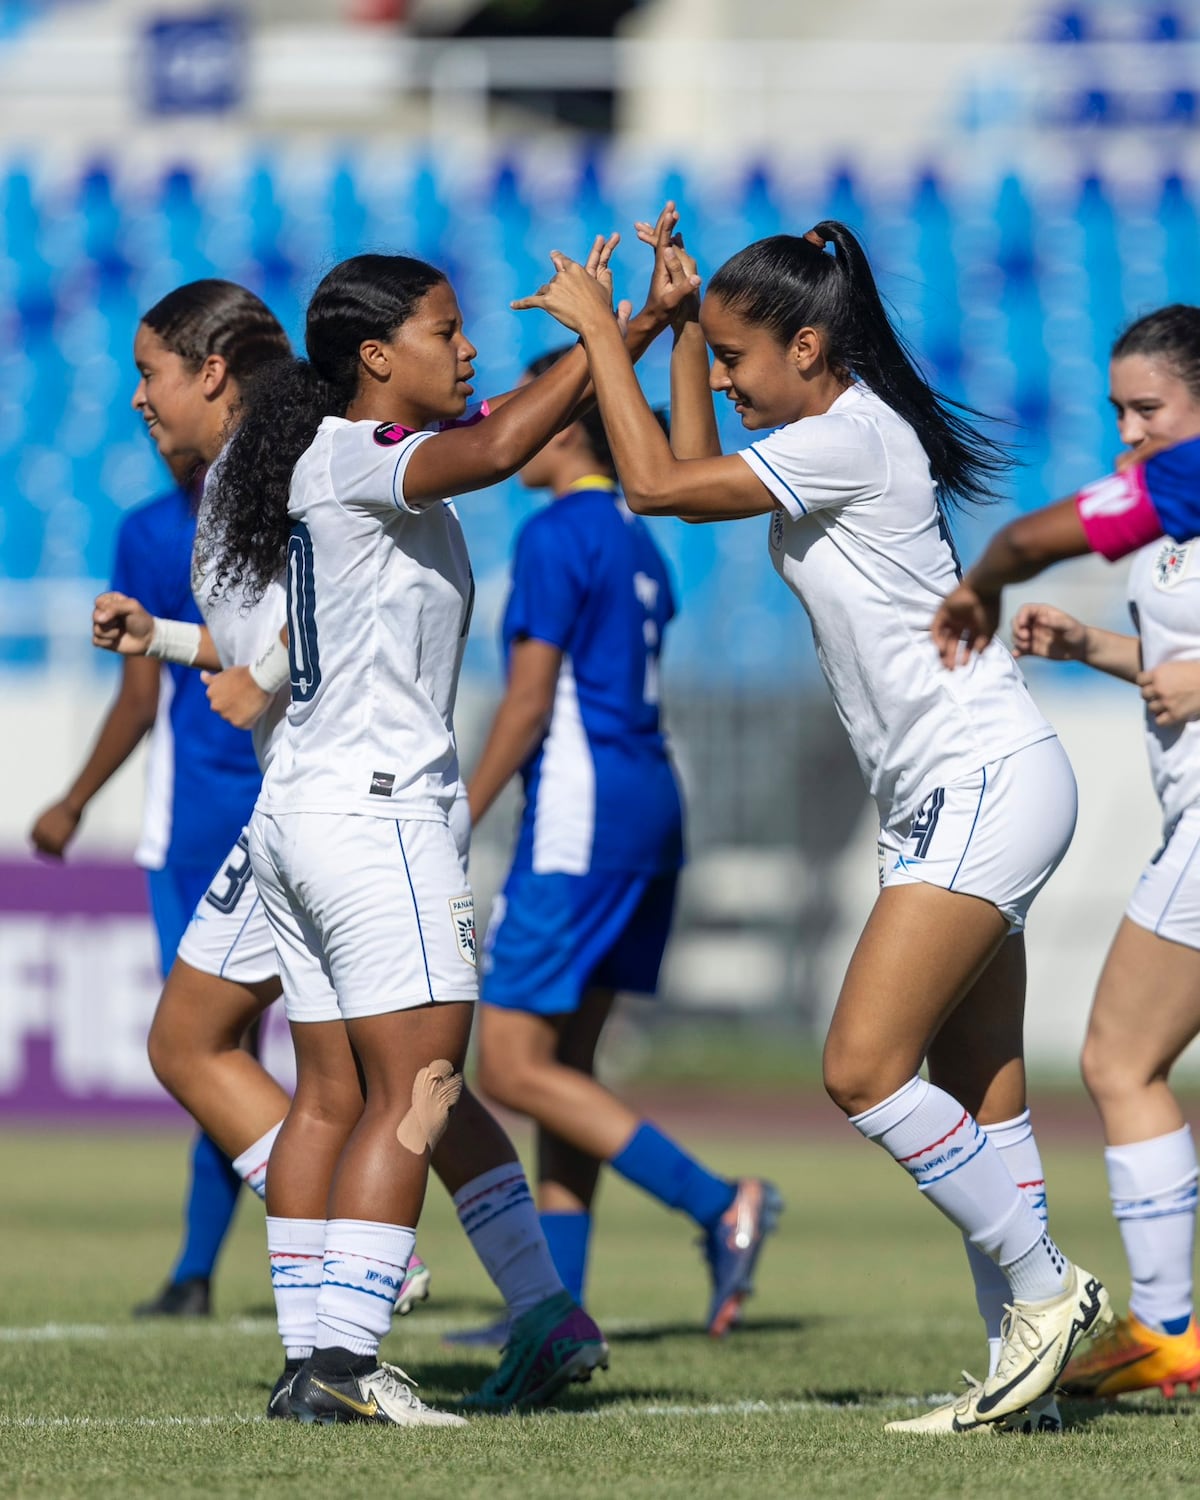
(202, 779)
(586, 908)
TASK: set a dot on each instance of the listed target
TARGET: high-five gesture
(575, 298)
(673, 281)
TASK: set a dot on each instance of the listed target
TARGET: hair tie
(815, 237)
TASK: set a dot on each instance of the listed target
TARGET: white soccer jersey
(241, 632)
(861, 542)
(1164, 599)
(379, 598)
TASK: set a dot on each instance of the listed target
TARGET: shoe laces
(971, 1390)
(397, 1384)
(1020, 1335)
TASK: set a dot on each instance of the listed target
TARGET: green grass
(864, 1306)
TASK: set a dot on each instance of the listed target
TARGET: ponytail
(788, 282)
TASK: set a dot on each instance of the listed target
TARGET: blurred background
(1025, 178)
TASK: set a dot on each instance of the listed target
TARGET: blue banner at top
(195, 64)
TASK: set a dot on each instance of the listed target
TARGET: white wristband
(272, 669)
(174, 640)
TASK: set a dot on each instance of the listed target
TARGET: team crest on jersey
(462, 914)
(388, 434)
(776, 530)
(1170, 566)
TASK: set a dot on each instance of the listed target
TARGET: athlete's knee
(1110, 1072)
(509, 1080)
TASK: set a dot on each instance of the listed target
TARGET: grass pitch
(864, 1310)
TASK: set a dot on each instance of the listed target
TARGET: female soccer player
(976, 797)
(586, 909)
(1147, 1005)
(340, 470)
(227, 973)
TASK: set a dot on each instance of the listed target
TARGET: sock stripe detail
(365, 1291)
(933, 1145)
(479, 1221)
(516, 1180)
(950, 1171)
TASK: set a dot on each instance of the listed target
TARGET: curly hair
(788, 282)
(283, 404)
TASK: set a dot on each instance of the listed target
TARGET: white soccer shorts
(998, 834)
(229, 935)
(1166, 900)
(370, 915)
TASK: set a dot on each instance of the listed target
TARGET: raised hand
(964, 624)
(575, 297)
(673, 296)
(597, 264)
(120, 624)
(1042, 630)
(235, 696)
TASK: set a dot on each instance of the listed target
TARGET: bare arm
(969, 616)
(520, 722)
(120, 624)
(654, 481)
(131, 715)
(1041, 630)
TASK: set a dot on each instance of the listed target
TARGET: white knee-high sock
(942, 1148)
(251, 1166)
(1014, 1140)
(297, 1252)
(497, 1211)
(364, 1268)
(1153, 1188)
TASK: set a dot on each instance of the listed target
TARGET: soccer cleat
(731, 1248)
(1039, 1339)
(490, 1336)
(179, 1299)
(415, 1286)
(379, 1395)
(277, 1403)
(550, 1346)
(1132, 1357)
(960, 1416)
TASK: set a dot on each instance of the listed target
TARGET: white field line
(623, 1412)
(431, 1327)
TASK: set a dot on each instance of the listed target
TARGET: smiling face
(770, 383)
(430, 359)
(1152, 401)
(175, 401)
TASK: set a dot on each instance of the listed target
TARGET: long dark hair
(283, 404)
(1171, 334)
(208, 317)
(788, 282)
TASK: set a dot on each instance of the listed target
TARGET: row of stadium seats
(1012, 291)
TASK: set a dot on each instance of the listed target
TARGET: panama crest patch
(462, 914)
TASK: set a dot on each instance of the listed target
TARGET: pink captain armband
(1117, 514)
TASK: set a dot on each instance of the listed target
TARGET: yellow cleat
(1128, 1356)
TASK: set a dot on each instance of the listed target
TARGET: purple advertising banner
(79, 981)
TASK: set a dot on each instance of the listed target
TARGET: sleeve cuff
(1117, 514)
(402, 460)
(775, 482)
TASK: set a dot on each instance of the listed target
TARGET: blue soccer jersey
(600, 793)
(203, 777)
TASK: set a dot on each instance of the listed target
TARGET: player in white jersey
(1147, 1004)
(976, 798)
(228, 973)
(340, 471)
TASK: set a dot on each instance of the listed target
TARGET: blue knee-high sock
(567, 1235)
(658, 1166)
(211, 1200)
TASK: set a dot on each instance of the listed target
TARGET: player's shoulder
(158, 521)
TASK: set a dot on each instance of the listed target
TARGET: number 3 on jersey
(303, 655)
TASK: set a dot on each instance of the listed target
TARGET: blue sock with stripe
(568, 1235)
(659, 1167)
(212, 1198)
